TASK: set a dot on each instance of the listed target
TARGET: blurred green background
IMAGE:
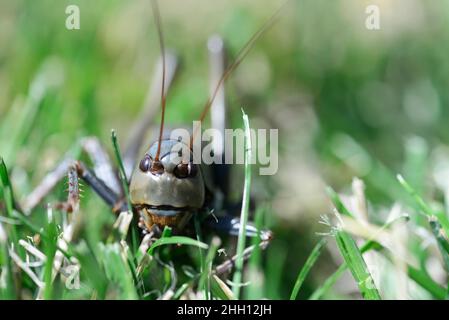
(347, 101)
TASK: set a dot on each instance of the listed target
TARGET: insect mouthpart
(164, 215)
(165, 210)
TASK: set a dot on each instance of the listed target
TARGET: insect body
(164, 190)
(167, 192)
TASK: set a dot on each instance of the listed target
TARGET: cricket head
(170, 186)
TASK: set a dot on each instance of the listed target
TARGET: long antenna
(239, 58)
(157, 19)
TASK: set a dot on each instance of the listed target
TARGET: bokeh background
(348, 102)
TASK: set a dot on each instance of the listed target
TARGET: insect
(164, 193)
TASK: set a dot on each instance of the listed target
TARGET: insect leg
(108, 195)
(140, 128)
(102, 167)
(101, 162)
(230, 225)
(73, 197)
(230, 263)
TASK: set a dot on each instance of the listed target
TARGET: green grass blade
(442, 241)
(357, 265)
(7, 192)
(7, 292)
(91, 263)
(335, 198)
(205, 281)
(199, 238)
(331, 280)
(182, 289)
(256, 289)
(419, 276)
(237, 278)
(19, 130)
(167, 232)
(439, 222)
(307, 266)
(125, 184)
(50, 247)
(367, 246)
(8, 198)
(122, 175)
(117, 270)
(177, 240)
(329, 283)
(220, 289)
(422, 205)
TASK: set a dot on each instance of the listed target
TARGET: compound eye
(145, 163)
(184, 170)
(193, 168)
(181, 170)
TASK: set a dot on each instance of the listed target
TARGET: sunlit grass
(344, 108)
(123, 268)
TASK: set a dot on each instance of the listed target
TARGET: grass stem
(237, 278)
